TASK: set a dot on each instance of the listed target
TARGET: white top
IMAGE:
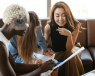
(5, 41)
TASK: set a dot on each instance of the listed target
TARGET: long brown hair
(27, 44)
(71, 21)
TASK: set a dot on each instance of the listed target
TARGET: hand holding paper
(46, 58)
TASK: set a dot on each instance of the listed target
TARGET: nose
(60, 18)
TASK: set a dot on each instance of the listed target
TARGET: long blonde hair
(27, 44)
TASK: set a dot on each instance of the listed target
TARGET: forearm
(69, 44)
(46, 39)
(34, 73)
(47, 32)
(22, 68)
(26, 67)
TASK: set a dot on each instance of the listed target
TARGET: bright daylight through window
(39, 6)
(80, 8)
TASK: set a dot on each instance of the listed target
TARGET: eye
(64, 15)
(57, 16)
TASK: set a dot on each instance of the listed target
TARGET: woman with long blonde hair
(27, 44)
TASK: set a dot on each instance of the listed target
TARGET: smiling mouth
(60, 23)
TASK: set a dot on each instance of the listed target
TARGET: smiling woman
(63, 28)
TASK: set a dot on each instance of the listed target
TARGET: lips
(60, 23)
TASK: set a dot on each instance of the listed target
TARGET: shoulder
(39, 32)
(3, 48)
(47, 27)
(3, 51)
(39, 28)
(13, 38)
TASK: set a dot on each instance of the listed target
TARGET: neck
(62, 26)
(7, 31)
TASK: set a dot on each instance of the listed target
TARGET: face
(20, 25)
(60, 17)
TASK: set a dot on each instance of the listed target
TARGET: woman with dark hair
(63, 29)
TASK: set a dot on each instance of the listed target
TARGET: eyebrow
(58, 14)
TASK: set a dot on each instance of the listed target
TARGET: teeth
(60, 22)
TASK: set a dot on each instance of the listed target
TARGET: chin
(61, 25)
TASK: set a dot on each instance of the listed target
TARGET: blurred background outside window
(80, 8)
(39, 6)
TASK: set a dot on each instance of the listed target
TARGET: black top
(58, 41)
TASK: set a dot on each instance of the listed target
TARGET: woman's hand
(48, 52)
(39, 61)
(36, 61)
(64, 31)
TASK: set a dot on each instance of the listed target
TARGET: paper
(74, 54)
(46, 58)
(43, 57)
(90, 74)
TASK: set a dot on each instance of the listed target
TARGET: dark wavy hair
(71, 21)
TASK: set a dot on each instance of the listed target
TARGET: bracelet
(39, 65)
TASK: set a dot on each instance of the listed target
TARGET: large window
(79, 8)
(39, 6)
